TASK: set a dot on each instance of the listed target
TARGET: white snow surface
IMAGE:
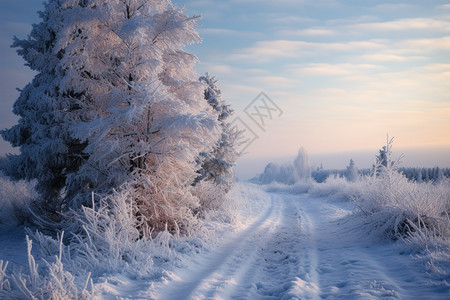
(298, 249)
(283, 246)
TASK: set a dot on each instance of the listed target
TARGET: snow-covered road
(299, 248)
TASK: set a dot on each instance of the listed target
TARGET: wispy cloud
(286, 19)
(314, 31)
(273, 82)
(324, 69)
(428, 24)
(423, 45)
(444, 6)
(388, 57)
(399, 7)
(228, 32)
(367, 28)
(264, 51)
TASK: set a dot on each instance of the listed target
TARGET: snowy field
(281, 244)
(299, 248)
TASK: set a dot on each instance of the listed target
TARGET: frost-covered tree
(48, 152)
(302, 166)
(384, 161)
(439, 176)
(284, 173)
(418, 176)
(351, 172)
(288, 173)
(270, 174)
(116, 104)
(218, 165)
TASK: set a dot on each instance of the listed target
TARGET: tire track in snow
(275, 258)
(306, 283)
(299, 249)
(289, 266)
(219, 273)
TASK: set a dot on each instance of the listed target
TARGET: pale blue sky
(344, 73)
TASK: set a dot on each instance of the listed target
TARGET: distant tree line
(426, 174)
(415, 174)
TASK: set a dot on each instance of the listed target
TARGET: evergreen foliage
(218, 165)
(116, 104)
(351, 173)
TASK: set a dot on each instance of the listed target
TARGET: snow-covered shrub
(16, 199)
(334, 187)
(107, 237)
(211, 195)
(113, 239)
(51, 282)
(395, 208)
(337, 188)
(301, 187)
(109, 234)
(109, 241)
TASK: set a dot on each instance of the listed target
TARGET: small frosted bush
(50, 282)
(395, 208)
(399, 209)
(337, 188)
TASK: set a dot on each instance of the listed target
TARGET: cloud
(428, 24)
(367, 25)
(437, 67)
(324, 69)
(369, 50)
(286, 19)
(227, 32)
(393, 7)
(353, 20)
(444, 6)
(315, 31)
(388, 57)
(264, 51)
(267, 50)
(273, 82)
(426, 45)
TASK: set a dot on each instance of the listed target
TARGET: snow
(299, 249)
(283, 245)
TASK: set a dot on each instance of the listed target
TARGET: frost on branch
(216, 171)
(396, 208)
(116, 103)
